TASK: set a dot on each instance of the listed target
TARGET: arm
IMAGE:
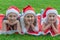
(18, 27)
(27, 27)
(4, 26)
(44, 26)
(34, 28)
(55, 28)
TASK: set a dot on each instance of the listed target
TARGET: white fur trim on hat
(30, 11)
(52, 11)
(12, 10)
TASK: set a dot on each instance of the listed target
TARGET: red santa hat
(28, 9)
(13, 9)
(48, 11)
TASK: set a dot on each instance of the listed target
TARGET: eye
(31, 16)
(49, 15)
(10, 16)
(14, 16)
(27, 16)
(53, 16)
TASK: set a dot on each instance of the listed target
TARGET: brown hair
(35, 21)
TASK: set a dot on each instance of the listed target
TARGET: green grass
(37, 5)
(28, 37)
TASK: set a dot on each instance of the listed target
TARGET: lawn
(37, 5)
(28, 37)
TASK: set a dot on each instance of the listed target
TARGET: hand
(52, 25)
(32, 25)
(48, 25)
(27, 28)
(28, 23)
(13, 22)
(33, 28)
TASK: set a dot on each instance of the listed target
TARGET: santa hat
(13, 9)
(26, 10)
(48, 11)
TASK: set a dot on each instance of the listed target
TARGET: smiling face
(29, 19)
(52, 17)
(12, 16)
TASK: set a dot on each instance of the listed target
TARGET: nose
(30, 18)
(51, 17)
(12, 18)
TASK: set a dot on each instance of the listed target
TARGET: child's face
(29, 18)
(12, 16)
(52, 17)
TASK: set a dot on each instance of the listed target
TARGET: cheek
(49, 18)
(55, 19)
(26, 19)
(33, 19)
(8, 17)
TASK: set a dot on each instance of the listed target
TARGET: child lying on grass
(29, 21)
(11, 22)
(50, 21)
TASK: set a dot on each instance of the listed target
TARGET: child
(50, 21)
(11, 21)
(29, 21)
